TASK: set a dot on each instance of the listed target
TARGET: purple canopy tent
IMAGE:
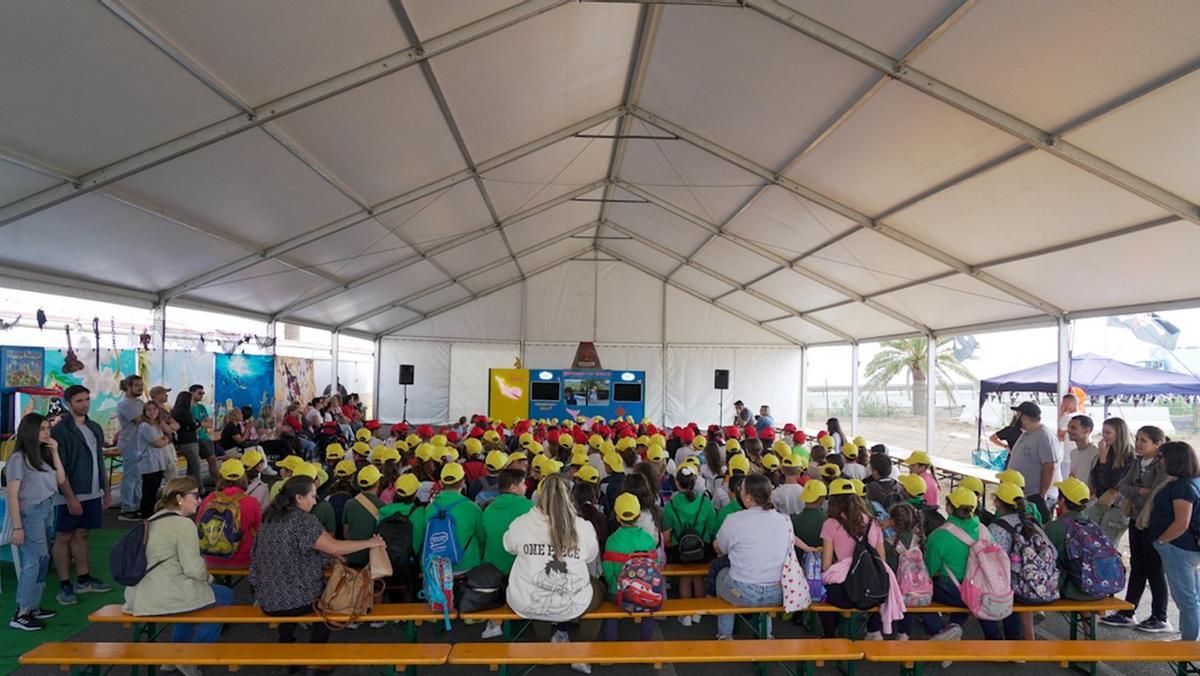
(1097, 376)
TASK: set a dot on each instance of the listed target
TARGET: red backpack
(641, 587)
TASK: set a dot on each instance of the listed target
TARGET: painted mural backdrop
(184, 369)
(243, 380)
(294, 381)
(103, 382)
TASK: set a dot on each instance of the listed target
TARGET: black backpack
(338, 501)
(397, 532)
(482, 588)
(867, 583)
(691, 547)
(127, 560)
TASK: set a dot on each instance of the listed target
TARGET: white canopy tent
(691, 185)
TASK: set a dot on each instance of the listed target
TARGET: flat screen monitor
(544, 391)
(627, 392)
(585, 391)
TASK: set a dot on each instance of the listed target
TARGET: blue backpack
(441, 539)
(127, 560)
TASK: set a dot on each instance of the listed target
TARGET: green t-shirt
(468, 526)
(697, 514)
(627, 540)
(359, 524)
(500, 513)
(200, 413)
(325, 514)
(728, 509)
(1056, 530)
(945, 552)
(807, 525)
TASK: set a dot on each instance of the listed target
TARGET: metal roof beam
(1030, 134)
(271, 110)
(847, 212)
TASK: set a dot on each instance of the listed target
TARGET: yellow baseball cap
(566, 440)
(918, 458)
(972, 483)
(739, 463)
(658, 439)
(496, 460)
(525, 439)
(595, 441)
(516, 456)
(781, 448)
(538, 462)
(335, 451)
(291, 463)
(309, 470)
(412, 440)
(627, 507)
(551, 466)
(1074, 490)
(588, 474)
(400, 445)
(449, 454)
(344, 468)
(913, 485)
(438, 440)
(860, 489)
(626, 443)
(643, 440)
(791, 460)
(860, 442)
(452, 473)
(830, 471)
(368, 476)
(362, 448)
(425, 452)
(614, 463)
(732, 445)
(535, 447)
(363, 434)
(813, 491)
(252, 458)
(378, 455)
(842, 487)
(491, 436)
(473, 447)
(579, 456)
(232, 470)
(770, 462)
(1009, 493)
(407, 485)
(693, 460)
(826, 441)
(656, 454)
(699, 442)
(849, 450)
(1012, 476)
(963, 497)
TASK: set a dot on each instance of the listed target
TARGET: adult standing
(151, 464)
(834, 427)
(204, 425)
(1037, 456)
(291, 551)
(1006, 437)
(161, 395)
(129, 409)
(1175, 530)
(756, 540)
(82, 495)
(186, 439)
(1084, 454)
(1114, 458)
(34, 472)
(1068, 408)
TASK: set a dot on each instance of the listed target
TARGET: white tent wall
(469, 364)
(429, 396)
(770, 375)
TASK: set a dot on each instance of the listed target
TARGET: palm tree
(907, 356)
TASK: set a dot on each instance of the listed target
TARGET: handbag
(796, 596)
(349, 594)
(378, 562)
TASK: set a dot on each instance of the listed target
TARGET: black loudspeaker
(721, 379)
(406, 374)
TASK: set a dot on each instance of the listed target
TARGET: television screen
(627, 392)
(585, 391)
(543, 391)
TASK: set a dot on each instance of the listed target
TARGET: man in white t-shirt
(1084, 453)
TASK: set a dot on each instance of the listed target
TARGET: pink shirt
(251, 520)
(843, 544)
(931, 488)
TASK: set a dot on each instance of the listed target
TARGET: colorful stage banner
(294, 381)
(508, 394)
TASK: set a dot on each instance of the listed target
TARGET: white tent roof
(818, 172)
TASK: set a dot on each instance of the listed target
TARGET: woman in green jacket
(688, 511)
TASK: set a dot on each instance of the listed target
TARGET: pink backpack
(913, 577)
(986, 589)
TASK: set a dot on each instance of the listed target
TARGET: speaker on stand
(721, 383)
(406, 379)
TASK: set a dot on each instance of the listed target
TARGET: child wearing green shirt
(501, 511)
(688, 510)
(628, 539)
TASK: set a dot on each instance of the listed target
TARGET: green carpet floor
(71, 619)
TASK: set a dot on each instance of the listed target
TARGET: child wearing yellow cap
(230, 497)
(360, 514)
(254, 462)
(509, 503)
(921, 465)
(807, 524)
(468, 522)
(628, 539)
(787, 497)
(1074, 496)
(688, 512)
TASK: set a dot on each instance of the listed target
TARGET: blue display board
(558, 393)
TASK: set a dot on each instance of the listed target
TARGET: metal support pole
(524, 304)
(1064, 358)
(160, 324)
(378, 366)
(803, 387)
(663, 354)
(930, 390)
(333, 364)
(853, 388)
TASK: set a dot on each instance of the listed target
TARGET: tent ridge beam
(409, 261)
(498, 263)
(978, 109)
(848, 212)
(271, 110)
(390, 204)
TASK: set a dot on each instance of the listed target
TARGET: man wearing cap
(468, 521)
(1037, 456)
(360, 515)
(230, 497)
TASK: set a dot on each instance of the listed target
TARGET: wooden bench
(1080, 614)
(669, 570)
(911, 654)
(806, 653)
(88, 658)
(608, 610)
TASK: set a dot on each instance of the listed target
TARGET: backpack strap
(961, 534)
(618, 557)
(366, 503)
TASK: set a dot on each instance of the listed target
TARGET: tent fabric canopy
(1098, 376)
(809, 172)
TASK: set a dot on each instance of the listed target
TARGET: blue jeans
(945, 592)
(744, 594)
(204, 633)
(131, 482)
(38, 522)
(1183, 576)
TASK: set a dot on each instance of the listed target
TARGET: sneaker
(26, 622)
(492, 630)
(724, 637)
(130, 517)
(901, 637)
(91, 585)
(189, 670)
(377, 625)
(696, 619)
(560, 636)
(1153, 626)
(685, 620)
(873, 636)
(44, 614)
(168, 667)
(952, 632)
(1118, 620)
(582, 668)
(66, 595)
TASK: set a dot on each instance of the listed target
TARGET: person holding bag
(34, 472)
(1174, 527)
(1114, 459)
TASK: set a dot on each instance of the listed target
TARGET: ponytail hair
(759, 488)
(1028, 525)
(686, 483)
(906, 519)
(285, 501)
